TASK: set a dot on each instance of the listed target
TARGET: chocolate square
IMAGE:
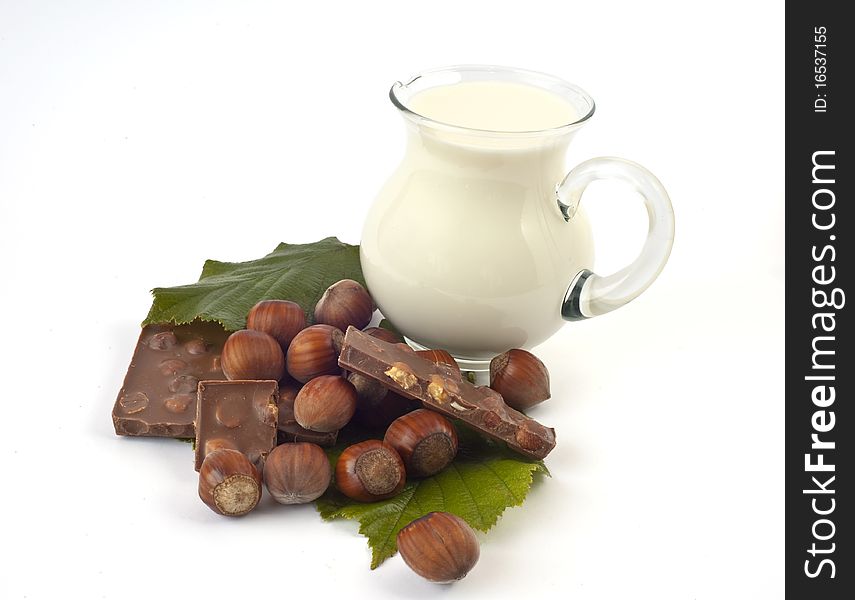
(240, 415)
(158, 396)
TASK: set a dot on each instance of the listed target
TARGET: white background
(138, 139)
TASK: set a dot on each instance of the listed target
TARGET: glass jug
(477, 243)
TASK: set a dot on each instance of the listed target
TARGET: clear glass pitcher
(478, 243)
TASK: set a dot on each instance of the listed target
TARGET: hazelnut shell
(314, 352)
(369, 471)
(440, 357)
(425, 440)
(325, 404)
(280, 319)
(229, 483)
(521, 378)
(345, 303)
(249, 354)
(297, 473)
(440, 546)
(384, 334)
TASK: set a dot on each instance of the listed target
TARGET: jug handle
(589, 294)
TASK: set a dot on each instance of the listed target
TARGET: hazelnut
(215, 444)
(425, 440)
(370, 471)
(183, 384)
(402, 374)
(249, 354)
(229, 483)
(297, 473)
(345, 303)
(325, 404)
(520, 377)
(196, 346)
(376, 405)
(163, 340)
(134, 403)
(442, 389)
(440, 546)
(280, 319)
(179, 403)
(384, 334)
(173, 366)
(440, 357)
(314, 352)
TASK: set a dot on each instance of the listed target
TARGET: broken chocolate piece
(158, 397)
(290, 430)
(441, 388)
(240, 415)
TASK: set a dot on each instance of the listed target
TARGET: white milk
(465, 247)
(494, 106)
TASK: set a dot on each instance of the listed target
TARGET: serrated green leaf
(226, 291)
(478, 486)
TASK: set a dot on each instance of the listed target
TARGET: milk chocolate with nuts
(158, 396)
(237, 415)
(441, 388)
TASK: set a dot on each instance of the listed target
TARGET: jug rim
(448, 75)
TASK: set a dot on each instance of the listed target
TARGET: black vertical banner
(820, 358)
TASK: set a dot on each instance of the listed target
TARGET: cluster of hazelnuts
(277, 345)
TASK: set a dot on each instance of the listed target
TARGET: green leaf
(226, 291)
(478, 486)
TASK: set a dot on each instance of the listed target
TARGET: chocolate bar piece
(158, 397)
(441, 388)
(289, 429)
(240, 415)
